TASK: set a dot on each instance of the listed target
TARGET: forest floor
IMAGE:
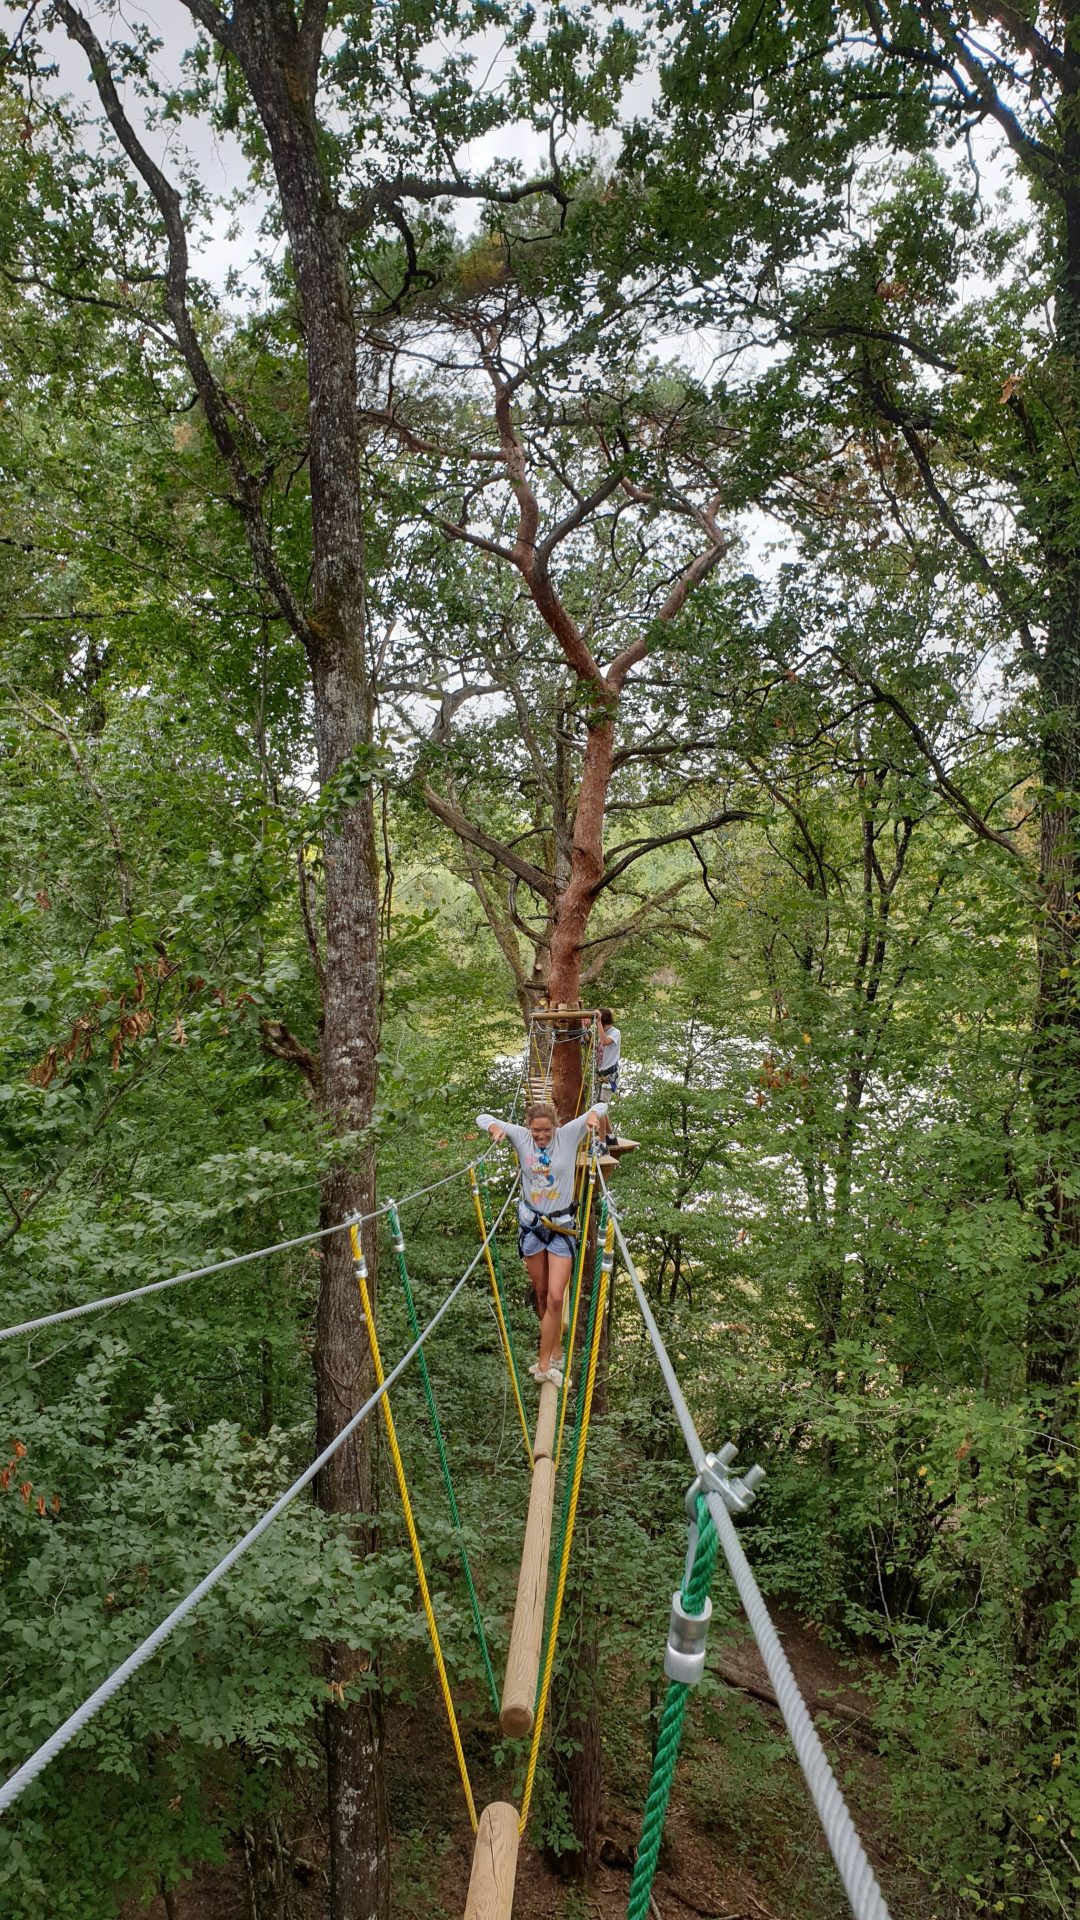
(741, 1842)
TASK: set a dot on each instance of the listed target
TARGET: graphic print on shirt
(540, 1182)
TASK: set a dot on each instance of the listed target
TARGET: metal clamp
(360, 1265)
(684, 1655)
(714, 1476)
(394, 1218)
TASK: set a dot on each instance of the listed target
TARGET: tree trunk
(574, 904)
(1053, 1326)
(283, 88)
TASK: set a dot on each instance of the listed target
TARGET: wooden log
(544, 1443)
(523, 1660)
(494, 1866)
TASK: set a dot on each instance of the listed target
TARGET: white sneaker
(552, 1373)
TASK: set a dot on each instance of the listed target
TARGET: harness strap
(545, 1226)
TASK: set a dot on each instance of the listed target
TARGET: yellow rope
(499, 1315)
(360, 1270)
(568, 1351)
(579, 1468)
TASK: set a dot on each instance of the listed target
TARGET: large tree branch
(210, 17)
(699, 569)
(576, 518)
(306, 914)
(453, 699)
(948, 787)
(531, 563)
(852, 329)
(513, 454)
(387, 194)
(501, 928)
(992, 104)
(455, 532)
(984, 100)
(606, 944)
(632, 850)
(386, 417)
(963, 536)
(1026, 35)
(662, 750)
(309, 43)
(247, 489)
(534, 877)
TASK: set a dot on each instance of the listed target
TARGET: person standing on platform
(547, 1221)
(609, 1053)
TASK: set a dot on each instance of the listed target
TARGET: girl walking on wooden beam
(547, 1223)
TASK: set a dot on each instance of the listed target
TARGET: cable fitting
(684, 1655)
(715, 1476)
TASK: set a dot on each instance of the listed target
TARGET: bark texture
(279, 59)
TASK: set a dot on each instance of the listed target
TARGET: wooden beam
(545, 1421)
(523, 1660)
(494, 1866)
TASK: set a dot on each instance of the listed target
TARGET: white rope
(160, 1286)
(856, 1873)
(218, 1266)
(76, 1721)
(421, 1192)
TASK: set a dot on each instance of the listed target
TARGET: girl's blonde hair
(541, 1110)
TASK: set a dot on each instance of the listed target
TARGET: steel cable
(76, 1721)
(856, 1873)
(220, 1266)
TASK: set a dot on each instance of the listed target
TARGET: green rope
(575, 1439)
(406, 1287)
(575, 1282)
(694, 1594)
(500, 1283)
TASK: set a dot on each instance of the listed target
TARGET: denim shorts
(530, 1243)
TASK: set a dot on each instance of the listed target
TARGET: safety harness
(545, 1226)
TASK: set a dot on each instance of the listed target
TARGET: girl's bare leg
(558, 1274)
(536, 1266)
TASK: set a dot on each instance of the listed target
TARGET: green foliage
(840, 1202)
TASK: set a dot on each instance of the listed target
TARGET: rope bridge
(715, 1496)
